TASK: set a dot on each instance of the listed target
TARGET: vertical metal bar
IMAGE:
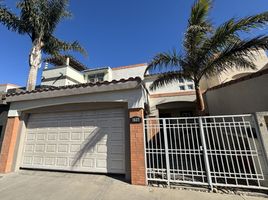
(156, 147)
(199, 150)
(180, 151)
(203, 140)
(190, 150)
(166, 151)
(224, 150)
(176, 170)
(229, 151)
(216, 150)
(236, 150)
(171, 163)
(241, 126)
(184, 150)
(221, 162)
(161, 150)
(209, 146)
(195, 170)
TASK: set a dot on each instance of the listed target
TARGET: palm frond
(227, 33)
(199, 12)
(55, 11)
(9, 19)
(164, 60)
(167, 78)
(241, 54)
(198, 28)
(54, 46)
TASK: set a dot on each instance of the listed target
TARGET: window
(189, 80)
(190, 87)
(181, 80)
(182, 87)
(96, 78)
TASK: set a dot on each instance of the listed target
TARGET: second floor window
(95, 78)
(182, 87)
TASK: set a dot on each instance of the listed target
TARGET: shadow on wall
(88, 145)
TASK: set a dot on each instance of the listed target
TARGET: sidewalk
(32, 185)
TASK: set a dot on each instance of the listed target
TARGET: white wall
(62, 71)
(76, 75)
(126, 73)
(243, 97)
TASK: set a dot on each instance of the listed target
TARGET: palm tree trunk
(34, 63)
(199, 99)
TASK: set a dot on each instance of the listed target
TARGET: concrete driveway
(36, 185)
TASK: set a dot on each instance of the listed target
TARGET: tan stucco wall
(247, 96)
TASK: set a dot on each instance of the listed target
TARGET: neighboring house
(161, 102)
(88, 120)
(174, 100)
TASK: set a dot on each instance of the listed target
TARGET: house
(88, 120)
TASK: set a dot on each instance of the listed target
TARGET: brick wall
(9, 144)
(137, 158)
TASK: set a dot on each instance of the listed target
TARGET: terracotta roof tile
(45, 89)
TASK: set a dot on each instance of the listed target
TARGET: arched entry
(177, 109)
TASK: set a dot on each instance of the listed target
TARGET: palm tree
(208, 51)
(38, 19)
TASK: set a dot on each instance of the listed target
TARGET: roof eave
(76, 90)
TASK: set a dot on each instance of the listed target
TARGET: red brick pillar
(137, 157)
(9, 144)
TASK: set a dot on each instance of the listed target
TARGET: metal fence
(213, 151)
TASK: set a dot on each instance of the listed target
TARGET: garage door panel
(55, 141)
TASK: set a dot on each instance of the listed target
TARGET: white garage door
(88, 141)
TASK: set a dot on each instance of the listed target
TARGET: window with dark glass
(182, 87)
(181, 80)
(190, 87)
(96, 78)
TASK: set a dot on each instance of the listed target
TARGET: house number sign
(135, 120)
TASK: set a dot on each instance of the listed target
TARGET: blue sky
(118, 32)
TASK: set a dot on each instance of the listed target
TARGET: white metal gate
(213, 151)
